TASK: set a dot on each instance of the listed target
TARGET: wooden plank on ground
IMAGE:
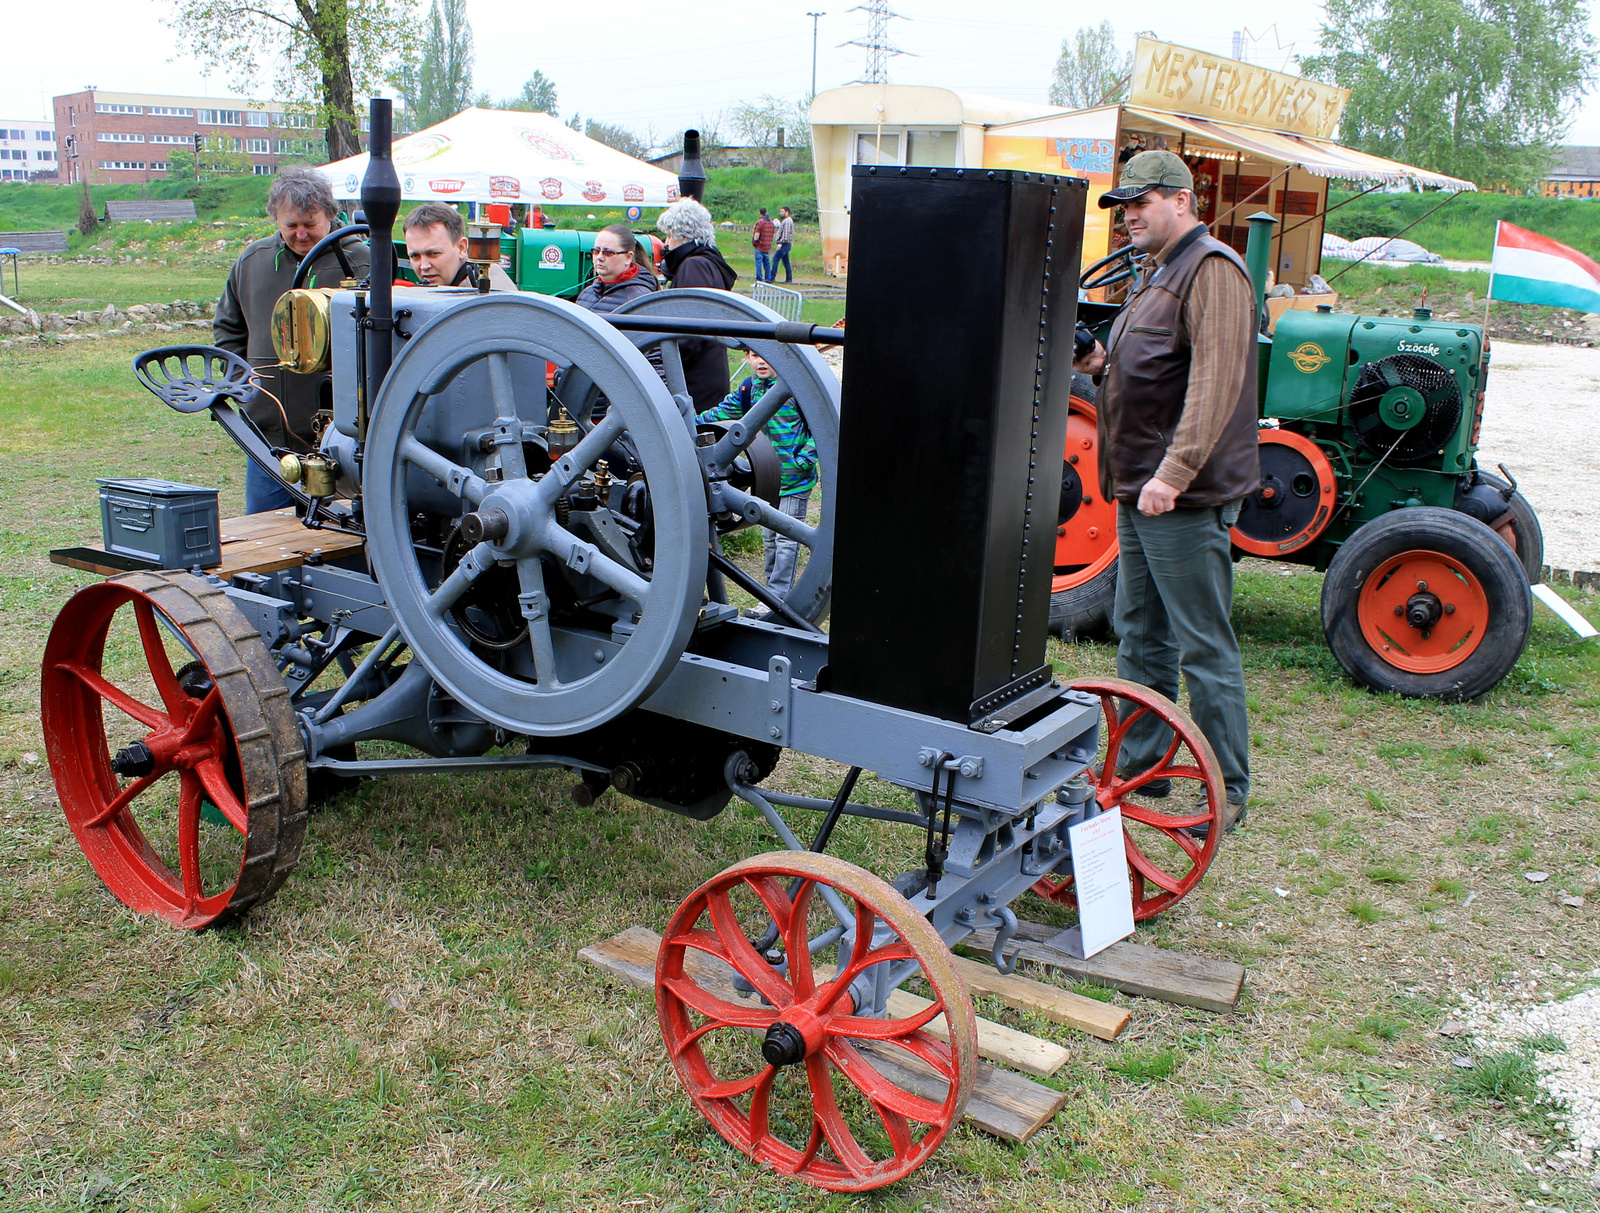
(1191, 981)
(1087, 1014)
(1004, 1104)
(254, 543)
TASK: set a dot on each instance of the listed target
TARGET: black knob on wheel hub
(133, 761)
(784, 1045)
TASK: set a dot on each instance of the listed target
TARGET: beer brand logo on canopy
(505, 187)
(447, 185)
(633, 193)
(418, 148)
(550, 187)
(594, 191)
(672, 193)
(546, 146)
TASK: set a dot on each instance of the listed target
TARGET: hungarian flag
(1530, 268)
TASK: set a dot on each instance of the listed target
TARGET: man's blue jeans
(781, 253)
(263, 492)
(1173, 613)
(763, 266)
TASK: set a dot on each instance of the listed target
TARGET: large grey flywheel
(803, 376)
(591, 625)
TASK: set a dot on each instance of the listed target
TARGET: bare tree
(1091, 70)
(769, 126)
(324, 51)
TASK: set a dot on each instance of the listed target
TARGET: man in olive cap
(1177, 419)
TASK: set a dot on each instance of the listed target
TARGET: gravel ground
(1542, 420)
(1570, 1076)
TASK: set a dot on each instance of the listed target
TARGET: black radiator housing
(960, 306)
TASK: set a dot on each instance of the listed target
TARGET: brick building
(117, 138)
(1575, 175)
(27, 150)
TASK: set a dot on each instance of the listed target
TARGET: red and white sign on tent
(509, 156)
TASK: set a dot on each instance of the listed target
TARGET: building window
(263, 170)
(17, 135)
(220, 117)
(118, 137)
(45, 136)
(878, 148)
(169, 111)
(258, 147)
(122, 164)
(298, 122)
(183, 139)
(44, 155)
(158, 168)
(932, 149)
(257, 118)
(118, 109)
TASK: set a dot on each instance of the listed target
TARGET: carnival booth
(1256, 140)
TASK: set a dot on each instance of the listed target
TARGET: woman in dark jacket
(693, 260)
(621, 271)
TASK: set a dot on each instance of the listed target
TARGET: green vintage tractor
(1369, 432)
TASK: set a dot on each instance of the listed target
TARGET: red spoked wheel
(185, 787)
(794, 1077)
(1165, 859)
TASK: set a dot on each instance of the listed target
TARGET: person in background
(781, 245)
(436, 246)
(301, 203)
(691, 260)
(761, 241)
(791, 438)
(1178, 454)
(621, 270)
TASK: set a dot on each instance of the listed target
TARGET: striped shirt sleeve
(1218, 317)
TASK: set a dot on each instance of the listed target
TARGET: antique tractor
(1369, 428)
(520, 566)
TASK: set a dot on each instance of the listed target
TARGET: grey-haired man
(1177, 419)
(301, 203)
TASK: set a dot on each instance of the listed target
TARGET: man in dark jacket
(1177, 418)
(436, 246)
(302, 206)
(692, 259)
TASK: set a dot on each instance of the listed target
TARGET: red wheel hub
(1086, 543)
(1165, 859)
(144, 836)
(1423, 612)
(795, 1078)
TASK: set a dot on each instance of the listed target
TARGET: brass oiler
(319, 473)
(562, 435)
(302, 333)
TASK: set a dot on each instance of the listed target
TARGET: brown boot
(1234, 814)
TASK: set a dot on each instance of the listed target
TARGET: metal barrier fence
(779, 298)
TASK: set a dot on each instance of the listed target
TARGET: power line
(876, 43)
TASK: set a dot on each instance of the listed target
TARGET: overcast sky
(642, 69)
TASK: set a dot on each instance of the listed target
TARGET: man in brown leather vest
(1177, 418)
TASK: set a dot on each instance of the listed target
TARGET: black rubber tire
(1483, 553)
(1525, 524)
(1085, 612)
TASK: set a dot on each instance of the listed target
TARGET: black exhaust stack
(380, 199)
(692, 174)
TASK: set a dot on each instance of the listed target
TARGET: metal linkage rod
(788, 331)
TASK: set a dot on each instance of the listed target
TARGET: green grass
(1463, 229)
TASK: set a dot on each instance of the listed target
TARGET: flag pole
(1489, 294)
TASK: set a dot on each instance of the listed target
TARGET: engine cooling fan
(1407, 402)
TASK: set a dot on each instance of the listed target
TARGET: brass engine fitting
(562, 434)
(302, 331)
(318, 473)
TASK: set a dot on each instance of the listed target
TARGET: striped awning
(1317, 156)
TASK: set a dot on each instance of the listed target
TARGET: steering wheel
(335, 239)
(1108, 271)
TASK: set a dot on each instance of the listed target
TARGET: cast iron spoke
(769, 516)
(1146, 867)
(155, 653)
(754, 421)
(672, 363)
(473, 565)
(722, 1013)
(124, 798)
(586, 558)
(189, 838)
(504, 394)
(845, 1148)
(456, 479)
(215, 781)
(151, 718)
(536, 610)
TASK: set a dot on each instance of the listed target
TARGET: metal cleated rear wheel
(564, 677)
(794, 1077)
(186, 787)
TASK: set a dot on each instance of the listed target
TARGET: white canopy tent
(509, 156)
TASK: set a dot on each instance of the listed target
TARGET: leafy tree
(538, 96)
(619, 137)
(762, 122)
(436, 81)
(1091, 70)
(1479, 89)
(324, 50)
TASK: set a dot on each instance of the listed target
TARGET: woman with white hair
(692, 259)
